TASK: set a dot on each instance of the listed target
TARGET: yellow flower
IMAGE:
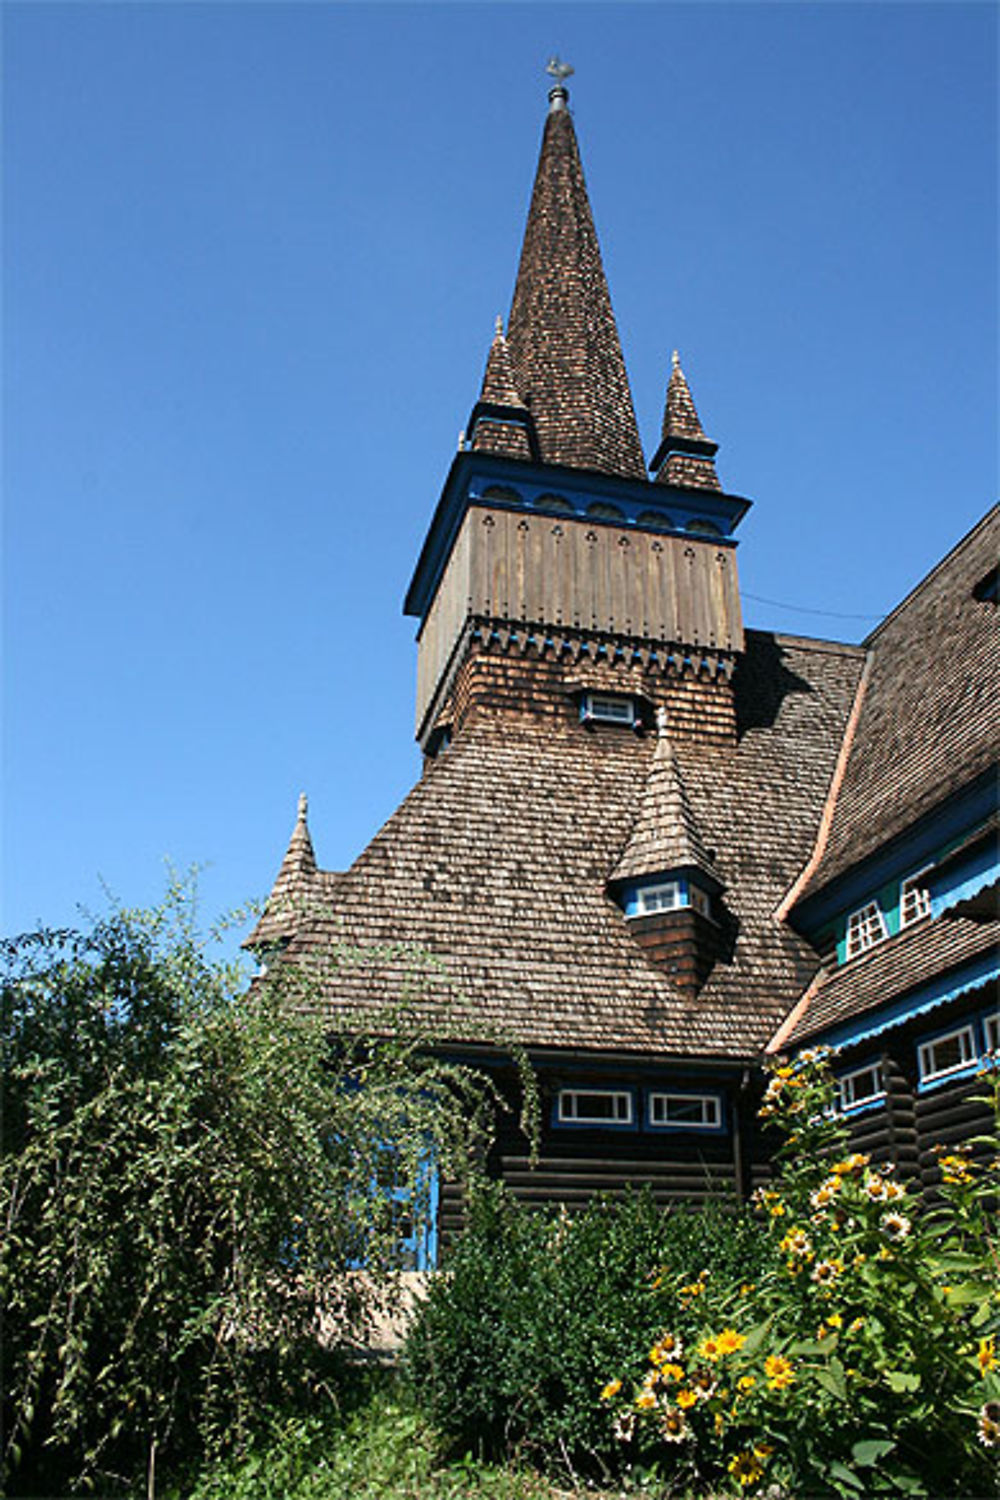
(875, 1187)
(825, 1272)
(685, 1399)
(709, 1349)
(611, 1389)
(747, 1288)
(720, 1423)
(779, 1372)
(796, 1242)
(856, 1162)
(894, 1190)
(746, 1467)
(668, 1346)
(729, 1341)
(746, 1382)
(777, 1210)
(693, 1289)
(987, 1355)
(671, 1372)
(856, 1326)
(646, 1399)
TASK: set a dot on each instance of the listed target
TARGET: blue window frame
(860, 1087)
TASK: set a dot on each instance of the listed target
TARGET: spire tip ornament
(560, 71)
(303, 807)
(675, 360)
(498, 327)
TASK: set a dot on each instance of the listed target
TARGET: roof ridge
(981, 525)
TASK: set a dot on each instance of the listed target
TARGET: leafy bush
(190, 1170)
(510, 1348)
(864, 1360)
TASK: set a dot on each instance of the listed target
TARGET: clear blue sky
(252, 258)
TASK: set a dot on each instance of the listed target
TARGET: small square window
(946, 1054)
(914, 899)
(667, 895)
(865, 928)
(860, 1086)
(594, 1107)
(607, 709)
(685, 1111)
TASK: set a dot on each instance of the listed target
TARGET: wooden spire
(685, 456)
(564, 346)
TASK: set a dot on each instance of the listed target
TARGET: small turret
(685, 456)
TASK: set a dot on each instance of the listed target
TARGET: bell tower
(555, 571)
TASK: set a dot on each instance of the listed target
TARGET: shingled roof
(483, 899)
(686, 455)
(665, 835)
(930, 717)
(295, 888)
(892, 970)
(564, 344)
(500, 421)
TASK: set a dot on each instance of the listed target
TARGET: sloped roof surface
(665, 835)
(930, 719)
(496, 866)
(564, 344)
(893, 969)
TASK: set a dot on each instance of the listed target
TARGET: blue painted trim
(848, 1111)
(928, 997)
(967, 879)
(471, 473)
(898, 857)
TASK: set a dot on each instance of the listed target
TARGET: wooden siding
(567, 572)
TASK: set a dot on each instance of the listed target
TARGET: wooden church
(650, 846)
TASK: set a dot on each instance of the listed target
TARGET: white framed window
(860, 1086)
(684, 1111)
(608, 709)
(947, 1053)
(991, 1030)
(865, 928)
(594, 1107)
(666, 895)
(914, 898)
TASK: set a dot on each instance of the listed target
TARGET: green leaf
(902, 1380)
(869, 1450)
(832, 1379)
(846, 1476)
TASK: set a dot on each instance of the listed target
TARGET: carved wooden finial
(303, 807)
(661, 719)
(498, 327)
(675, 360)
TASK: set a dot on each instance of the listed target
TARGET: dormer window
(865, 928)
(673, 893)
(606, 708)
(914, 899)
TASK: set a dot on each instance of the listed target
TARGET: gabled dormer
(665, 881)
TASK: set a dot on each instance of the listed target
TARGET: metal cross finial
(559, 70)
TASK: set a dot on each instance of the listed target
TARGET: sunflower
(746, 1467)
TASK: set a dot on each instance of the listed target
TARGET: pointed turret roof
(564, 346)
(685, 455)
(500, 421)
(293, 887)
(665, 835)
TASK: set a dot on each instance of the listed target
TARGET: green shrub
(863, 1362)
(511, 1348)
(191, 1170)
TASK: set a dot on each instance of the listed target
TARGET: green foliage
(191, 1168)
(864, 1360)
(380, 1450)
(511, 1347)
